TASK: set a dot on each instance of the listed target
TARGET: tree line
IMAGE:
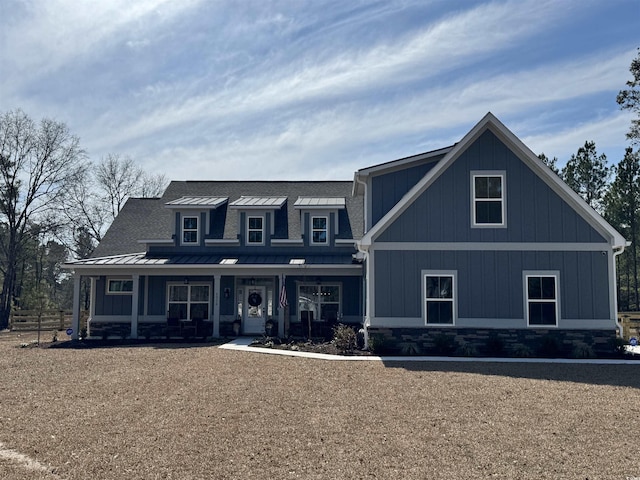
(614, 190)
(56, 204)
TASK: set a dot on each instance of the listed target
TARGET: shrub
(549, 347)
(494, 346)
(582, 350)
(410, 348)
(522, 351)
(344, 338)
(379, 344)
(467, 350)
(618, 346)
(444, 344)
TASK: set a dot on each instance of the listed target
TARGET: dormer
(256, 218)
(194, 217)
(319, 219)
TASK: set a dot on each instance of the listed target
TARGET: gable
(534, 212)
(497, 147)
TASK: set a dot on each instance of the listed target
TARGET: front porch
(189, 303)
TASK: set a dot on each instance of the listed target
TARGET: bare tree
(38, 164)
(118, 178)
(152, 185)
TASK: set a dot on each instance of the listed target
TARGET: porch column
(216, 305)
(75, 320)
(281, 308)
(134, 305)
(92, 303)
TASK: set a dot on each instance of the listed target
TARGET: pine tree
(622, 210)
(587, 173)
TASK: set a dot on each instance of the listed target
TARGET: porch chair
(173, 328)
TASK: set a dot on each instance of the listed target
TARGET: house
(471, 245)
(210, 254)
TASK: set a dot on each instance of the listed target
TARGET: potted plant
(268, 327)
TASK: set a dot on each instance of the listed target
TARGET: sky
(315, 90)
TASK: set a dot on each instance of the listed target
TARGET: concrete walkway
(242, 344)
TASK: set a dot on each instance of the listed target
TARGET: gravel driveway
(196, 412)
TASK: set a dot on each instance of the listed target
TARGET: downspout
(365, 320)
(617, 251)
(365, 260)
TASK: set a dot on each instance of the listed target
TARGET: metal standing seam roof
(258, 202)
(141, 259)
(320, 202)
(181, 202)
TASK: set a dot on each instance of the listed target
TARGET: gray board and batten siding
(490, 287)
(388, 188)
(534, 212)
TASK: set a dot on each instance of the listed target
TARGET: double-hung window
(488, 193)
(188, 302)
(189, 230)
(439, 298)
(541, 293)
(255, 230)
(319, 230)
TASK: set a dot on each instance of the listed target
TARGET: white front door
(255, 301)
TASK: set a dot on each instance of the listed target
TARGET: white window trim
(183, 230)
(110, 292)
(188, 301)
(263, 218)
(454, 296)
(326, 229)
(503, 178)
(542, 273)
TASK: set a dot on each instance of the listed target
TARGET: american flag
(283, 296)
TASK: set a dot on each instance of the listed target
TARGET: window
(188, 302)
(319, 302)
(119, 287)
(255, 230)
(439, 307)
(189, 230)
(319, 230)
(542, 299)
(488, 199)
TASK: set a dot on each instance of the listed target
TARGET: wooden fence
(630, 322)
(45, 319)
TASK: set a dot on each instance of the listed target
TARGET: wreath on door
(255, 299)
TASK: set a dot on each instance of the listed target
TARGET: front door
(255, 310)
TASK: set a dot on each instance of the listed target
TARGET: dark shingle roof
(149, 219)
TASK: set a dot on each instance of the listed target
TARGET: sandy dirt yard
(163, 411)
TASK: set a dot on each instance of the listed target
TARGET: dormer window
(190, 230)
(319, 230)
(255, 230)
(320, 218)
